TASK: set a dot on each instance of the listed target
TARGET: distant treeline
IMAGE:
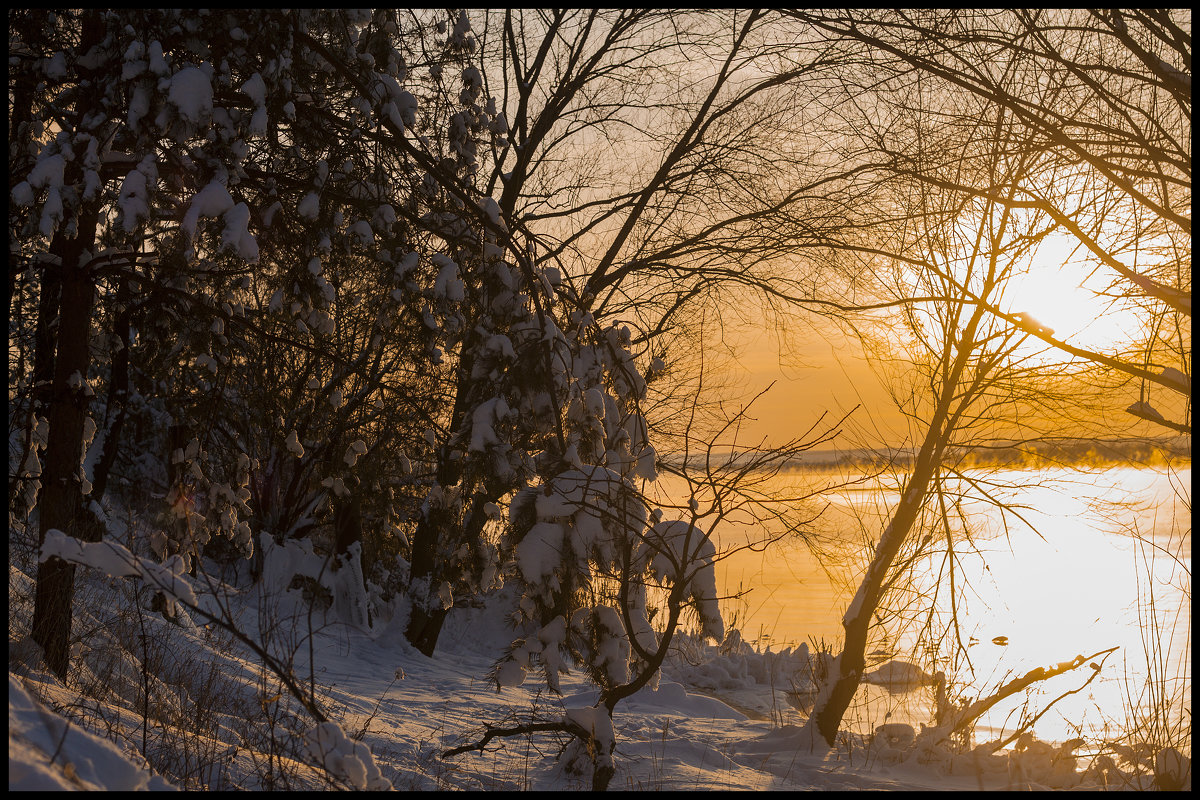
(1040, 453)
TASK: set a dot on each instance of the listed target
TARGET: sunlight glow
(1063, 291)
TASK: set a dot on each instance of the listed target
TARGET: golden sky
(813, 374)
(828, 372)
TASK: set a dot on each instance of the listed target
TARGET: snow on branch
(117, 561)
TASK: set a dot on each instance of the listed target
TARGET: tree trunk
(62, 502)
(44, 336)
(850, 665)
(350, 594)
(425, 620)
(62, 505)
(118, 395)
(347, 525)
(831, 706)
(42, 389)
(435, 526)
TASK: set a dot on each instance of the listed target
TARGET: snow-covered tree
(568, 146)
(157, 148)
(605, 582)
(321, 245)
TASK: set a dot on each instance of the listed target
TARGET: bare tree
(1101, 100)
(965, 370)
(988, 132)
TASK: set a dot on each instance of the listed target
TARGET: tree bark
(44, 335)
(62, 505)
(857, 622)
(433, 528)
(118, 395)
(425, 621)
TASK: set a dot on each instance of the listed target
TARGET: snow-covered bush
(346, 761)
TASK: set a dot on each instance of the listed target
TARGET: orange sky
(829, 374)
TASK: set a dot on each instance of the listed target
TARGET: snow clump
(191, 94)
(683, 553)
(344, 759)
(115, 560)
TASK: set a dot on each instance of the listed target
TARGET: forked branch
(969, 714)
(490, 733)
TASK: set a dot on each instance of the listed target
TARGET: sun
(1063, 291)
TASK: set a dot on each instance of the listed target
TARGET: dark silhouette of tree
(1101, 100)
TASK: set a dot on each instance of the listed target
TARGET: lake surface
(1096, 559)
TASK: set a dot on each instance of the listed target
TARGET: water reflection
(1093, 560)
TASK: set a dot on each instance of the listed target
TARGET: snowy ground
(214, 719)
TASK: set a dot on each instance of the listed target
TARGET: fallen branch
(117, 561)
(532, 727)
(977, 709)
(1029, 725)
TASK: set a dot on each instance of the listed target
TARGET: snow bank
(81, 760)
